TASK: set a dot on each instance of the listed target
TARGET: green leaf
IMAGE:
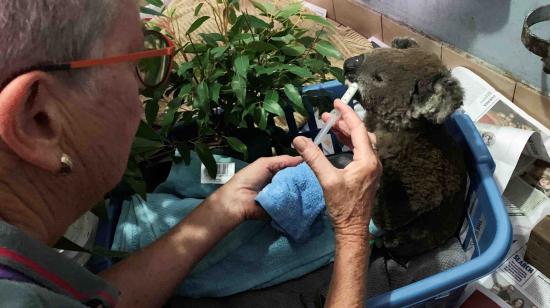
(151, 111)
(322, 34)
(287, 38)
(289, 10)
(134, 178)
(215, 91)
(195, 48)
(238, 85)
(238, 146)
(262, 123)
(294, 50)
(146, 131)
(271, 103)
(307, 41)
(196, 24)
(218, 51)
(210, 39)
(326, 49)
(170, 115)
(237, 27)
(185, 89)
(315, 65)
(184, 67)
(187, 116)
(241, 65)
(260, 47)
(184, 151)
(298, 71)
(217, 74)
(198, 8)
(294, 96)
(248, 110)
(338, 73)
(232, 16)
(266, 7)
(203, 93)
(242, 38)
(261, 70)
(143, 145)
(146, 10)
(318, 19)
(255, 22)
(206, 157)
(157, 3)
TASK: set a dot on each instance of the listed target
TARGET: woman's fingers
(277, 163)
(313, 156)
(362, 146)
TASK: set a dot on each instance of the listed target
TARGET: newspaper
(515, 283)
(520, 147)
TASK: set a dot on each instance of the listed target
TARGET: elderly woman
(66, 132)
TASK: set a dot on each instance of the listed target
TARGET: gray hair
(34, 32)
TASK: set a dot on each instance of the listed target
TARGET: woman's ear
(30, 123)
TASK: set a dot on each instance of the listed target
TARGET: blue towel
(294, 200)
(254, 255)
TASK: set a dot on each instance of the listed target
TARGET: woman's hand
(341, 128)
(238, 196)
(349, 192)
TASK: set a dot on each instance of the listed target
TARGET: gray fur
(408, 94)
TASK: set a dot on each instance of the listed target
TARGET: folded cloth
(294, 200)
(252, 256)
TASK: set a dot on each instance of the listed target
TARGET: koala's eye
(377, 77)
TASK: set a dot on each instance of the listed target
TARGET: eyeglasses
(154, 63)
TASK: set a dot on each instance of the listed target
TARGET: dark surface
(307, 291)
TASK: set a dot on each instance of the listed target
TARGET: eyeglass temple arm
(111, 60)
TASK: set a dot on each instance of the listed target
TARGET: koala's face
(403, 87)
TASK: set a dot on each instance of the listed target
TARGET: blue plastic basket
(491, 240)
(488, 227)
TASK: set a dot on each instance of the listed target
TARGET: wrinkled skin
(408, 94)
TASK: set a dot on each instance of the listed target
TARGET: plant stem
(216, 16)
(248, 24)
(203, 71)
(313, 43)
(192, 72)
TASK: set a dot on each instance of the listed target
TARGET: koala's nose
(351, 66)
(353, 63)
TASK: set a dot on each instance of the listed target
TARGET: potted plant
(229, 89)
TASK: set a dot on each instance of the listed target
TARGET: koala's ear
(404, 43)
(446, 98)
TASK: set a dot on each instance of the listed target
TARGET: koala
(408, 94)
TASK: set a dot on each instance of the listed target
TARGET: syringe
(335, 114)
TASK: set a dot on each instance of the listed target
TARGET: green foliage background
(228, 82)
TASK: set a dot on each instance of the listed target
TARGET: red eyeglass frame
(135, 56)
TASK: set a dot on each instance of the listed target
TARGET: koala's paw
(403, 43)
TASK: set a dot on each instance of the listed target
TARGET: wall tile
(452, 58)
(391, 29)
(358, 17)
(533, 102)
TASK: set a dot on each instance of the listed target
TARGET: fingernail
(300, 143)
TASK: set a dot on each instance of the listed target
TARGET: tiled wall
(370, 23)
